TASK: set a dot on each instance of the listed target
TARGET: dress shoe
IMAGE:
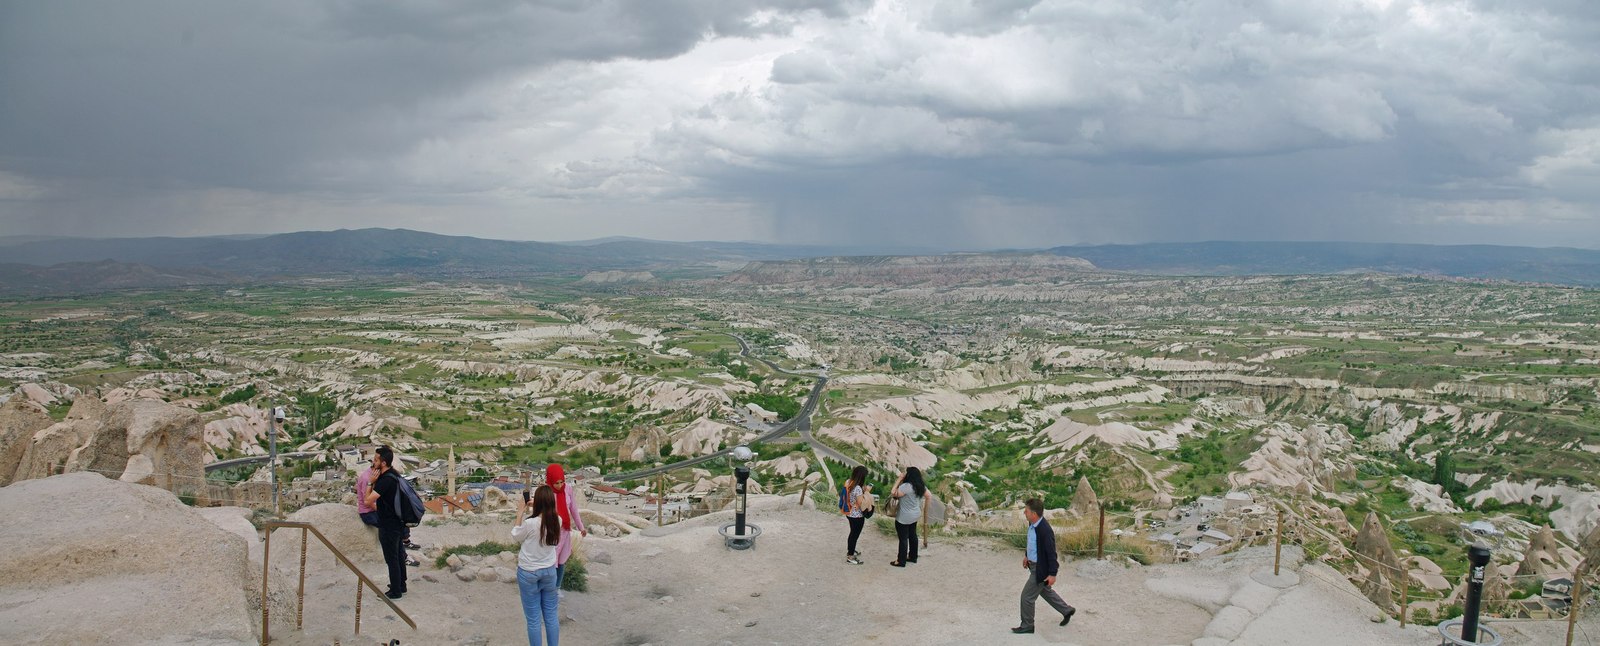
(1022, 630)
(1068, 617)
(897, 563)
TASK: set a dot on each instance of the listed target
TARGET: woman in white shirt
(540, 536)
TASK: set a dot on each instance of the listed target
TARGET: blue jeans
(539, 604)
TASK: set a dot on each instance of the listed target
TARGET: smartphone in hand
(525, 496)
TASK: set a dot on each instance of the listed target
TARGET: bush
(243, 394)
(481, 549)
(577, 576)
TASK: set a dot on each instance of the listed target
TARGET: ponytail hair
(544, 508)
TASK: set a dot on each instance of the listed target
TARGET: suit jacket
(1045, 543)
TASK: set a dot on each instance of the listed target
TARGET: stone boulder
(495, 499)
(160, 439)
(147, 441)
(1378, 590)
(89, 560)
(50, 449)
(343, 527)
(20, 419)
(236, 521)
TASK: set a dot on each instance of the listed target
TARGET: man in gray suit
(1040, 561)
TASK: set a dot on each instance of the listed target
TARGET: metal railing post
(358, 607)
(300, 597)
(362, 581)
(266, 556)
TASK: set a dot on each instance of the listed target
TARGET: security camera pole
(1478, 561)
(273, 420)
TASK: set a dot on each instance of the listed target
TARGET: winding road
(801, 422)
(257, 459)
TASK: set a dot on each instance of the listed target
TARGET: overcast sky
(964, 123)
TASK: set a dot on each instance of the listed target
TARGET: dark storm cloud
(954, 122)
(1127, 121)
(274, 94)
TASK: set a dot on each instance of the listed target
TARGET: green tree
(1444, 471)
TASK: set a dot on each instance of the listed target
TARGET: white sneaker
(853, 560)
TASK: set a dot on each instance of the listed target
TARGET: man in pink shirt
(369, 513)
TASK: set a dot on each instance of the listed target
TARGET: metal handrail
(300, 607)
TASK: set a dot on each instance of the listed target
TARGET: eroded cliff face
(140, 440)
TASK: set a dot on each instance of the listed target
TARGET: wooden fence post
(1405, 602)
(1577, 598)
(1100, 543)
(1277, 556)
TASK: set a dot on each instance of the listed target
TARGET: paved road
(256, 459)
(800, 422)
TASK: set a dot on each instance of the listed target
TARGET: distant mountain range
(1560, 265)
(34, 265)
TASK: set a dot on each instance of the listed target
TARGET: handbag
(894, 506)
(867, 504)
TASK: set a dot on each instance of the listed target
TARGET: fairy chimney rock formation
(1542, 555)
(643, 444)
(1084, 502)
(1373, 543)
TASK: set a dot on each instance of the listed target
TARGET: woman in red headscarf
(567, 509)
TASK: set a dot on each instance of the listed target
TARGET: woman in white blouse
(540, 536)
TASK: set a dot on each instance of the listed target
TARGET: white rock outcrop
(89, 560)
(20, 419)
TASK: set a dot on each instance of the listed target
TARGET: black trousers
(855, 533)
(394, 555)
(907, 533)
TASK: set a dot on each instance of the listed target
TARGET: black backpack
(408, 505)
